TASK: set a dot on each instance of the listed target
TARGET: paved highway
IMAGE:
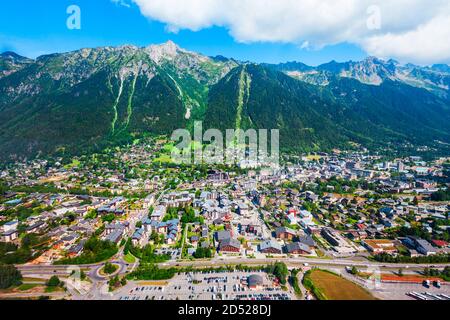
(293, 262)
(66, 269)
(296, 262)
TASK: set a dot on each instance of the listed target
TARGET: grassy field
(328, 286)
(129, 258)
(53, 289)
(75, 163)
(163, 159)
(27, 286)
(34, 280)
(312, 157)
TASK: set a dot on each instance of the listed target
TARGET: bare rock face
(374, 71)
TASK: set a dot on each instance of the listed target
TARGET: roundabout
(115, 268)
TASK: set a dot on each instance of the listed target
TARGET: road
(65, 270)
(292, 262)
(32, 295)
(298, 262)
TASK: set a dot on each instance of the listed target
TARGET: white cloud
(412, 30)
(429, 42)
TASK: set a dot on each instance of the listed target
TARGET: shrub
(9, 276)
(53, 282)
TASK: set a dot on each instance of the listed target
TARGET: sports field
(333, 287)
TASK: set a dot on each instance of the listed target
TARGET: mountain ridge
(96, 97)
(371, 70)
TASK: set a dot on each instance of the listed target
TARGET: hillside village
(335, 205)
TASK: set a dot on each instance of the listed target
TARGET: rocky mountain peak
(165, 51)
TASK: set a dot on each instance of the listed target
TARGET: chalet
(194, 239)
(218, 176)
(148, 202)
(308, 241)
(297, 248)
(292, 219)
(36, 227)
(117, 202)
(439, 243)
(75, 250)
(212, 210)
(9, 236)
(113, 207)
(70, 239)
(191, 251)
(361, 226)
(313, 230)
(159, 213)
(353, 235)
(386, 211)
(162, 227)
(138, 237)
(270, 247)
(388, 223)
(173, 228)
(292, 211)
(284, 233)
(105, 210)
(230, 245)
(311, 196)
(252, 229)
(113, 227)
(115, 236)
(11, 225)
(357, 235)
(171, 238)
(218, 222)
(223, 235)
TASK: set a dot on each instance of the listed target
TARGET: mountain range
(91, 98)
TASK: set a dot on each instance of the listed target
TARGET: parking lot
(206, 286)
(405, 291)
(173, 253)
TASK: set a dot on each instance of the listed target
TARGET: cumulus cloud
(412, 30)
(427, 43)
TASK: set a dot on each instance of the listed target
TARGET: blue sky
(37, 27)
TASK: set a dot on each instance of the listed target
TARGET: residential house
(297, 248)
(11, 225)
(270, 247)
(223, 235)
(285, 233)
(9, 236)
(230, 245)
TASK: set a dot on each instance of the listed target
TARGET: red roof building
(361, 226)
(439, 243)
